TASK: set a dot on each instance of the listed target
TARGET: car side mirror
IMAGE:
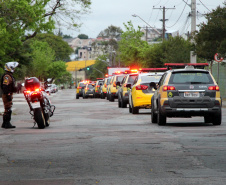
(153, 84)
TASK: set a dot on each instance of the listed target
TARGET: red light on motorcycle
(114, 84)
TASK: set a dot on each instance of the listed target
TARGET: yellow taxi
(103, 93)
(141, 92)
(113, 88)
(187, 92)
(80, 88)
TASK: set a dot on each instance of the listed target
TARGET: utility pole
(193, 29)
(163, 20)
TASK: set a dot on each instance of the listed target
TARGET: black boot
(3, 124)
(7, 119)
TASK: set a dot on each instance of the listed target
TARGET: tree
(57, 71)
(21, 20)
(61, 48)
(211, 37)
(83, 36)
(99, 69)
(42, 56)
(173, 50)
(111, 32)
(131, 48)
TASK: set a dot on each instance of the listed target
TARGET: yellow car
(141, 92)
(186, 93)
(103, 93)
(113, 88)
(80, 88)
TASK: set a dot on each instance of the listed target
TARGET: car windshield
(108, 81)
(151, 78)
(132, 78)
(90, 86)
(191, 78)
(81, 85)
(120, 78)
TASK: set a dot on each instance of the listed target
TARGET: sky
(105, 13)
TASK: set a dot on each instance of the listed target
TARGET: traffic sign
(216, 58)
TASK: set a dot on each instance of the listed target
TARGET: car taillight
(37, 90)
(141, 87)
(214, 88)
(114, 84)
(171, 88)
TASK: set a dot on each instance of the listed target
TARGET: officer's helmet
(10, 66)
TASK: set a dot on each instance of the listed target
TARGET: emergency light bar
(182, 65)
(145, 70)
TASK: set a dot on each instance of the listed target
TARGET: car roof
(189, 70)
(146, 74)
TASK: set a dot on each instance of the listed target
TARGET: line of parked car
(178, 90)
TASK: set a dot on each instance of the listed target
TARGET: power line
(179, 17)
(158, 3)
(204, 5)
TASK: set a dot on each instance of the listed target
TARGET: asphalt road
(92, 141)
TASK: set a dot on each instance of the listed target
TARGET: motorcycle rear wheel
(39, 118)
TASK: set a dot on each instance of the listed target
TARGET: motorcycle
(40, 106)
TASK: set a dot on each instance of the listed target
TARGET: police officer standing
(8, 88)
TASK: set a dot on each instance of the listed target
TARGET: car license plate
(191, 94)
(35, 105)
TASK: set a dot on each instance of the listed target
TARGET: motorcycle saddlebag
(32, 83)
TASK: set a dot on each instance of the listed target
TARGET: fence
(222, 77)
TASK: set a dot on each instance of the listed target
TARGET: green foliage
(99, 69)
(42, 56)
(57, 71)
(67, 36)
(132, 49)
(111, 32)
(173, 50)
(211, 37)
(83, 36)
(61, 48)
(21, 20)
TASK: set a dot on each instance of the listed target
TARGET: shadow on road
(188, 124)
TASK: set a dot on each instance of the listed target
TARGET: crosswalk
(18, 99)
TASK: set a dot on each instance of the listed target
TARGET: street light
(134, 15)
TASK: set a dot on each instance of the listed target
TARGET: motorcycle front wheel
(39, 118)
